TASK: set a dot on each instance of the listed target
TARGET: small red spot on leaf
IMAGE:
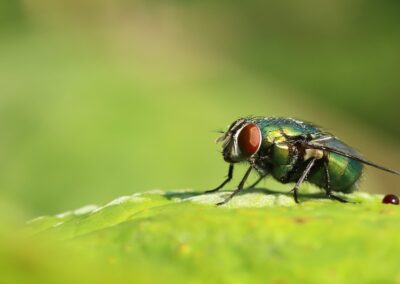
(390, 199)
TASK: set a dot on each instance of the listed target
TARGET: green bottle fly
(292, 151)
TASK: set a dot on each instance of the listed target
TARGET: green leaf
(257, 237)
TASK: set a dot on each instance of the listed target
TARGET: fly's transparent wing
(334, 145)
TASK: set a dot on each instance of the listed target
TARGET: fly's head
(241, 141)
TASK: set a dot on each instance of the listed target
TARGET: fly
(291, 151)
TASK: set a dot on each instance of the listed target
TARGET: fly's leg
(260, 169)
(301, 180)
(257, 182)
(328, 186)
(334, 197)
(228, 179)
(240, 187)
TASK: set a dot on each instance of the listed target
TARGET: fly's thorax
(278, 133)
(241, 141)
(279, 138)
(280, 153)
(284, 128)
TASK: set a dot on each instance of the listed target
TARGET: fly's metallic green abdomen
(344, 173)
(295, 151)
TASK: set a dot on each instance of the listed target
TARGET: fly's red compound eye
(249, 139)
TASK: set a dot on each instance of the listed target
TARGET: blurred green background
(104, 98)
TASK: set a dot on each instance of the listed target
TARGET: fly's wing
(334, 145)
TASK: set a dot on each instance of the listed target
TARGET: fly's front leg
(260, 168)
(240, 187)
(260, 178)
(228, 179)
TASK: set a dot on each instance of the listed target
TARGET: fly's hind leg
(328, 186)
